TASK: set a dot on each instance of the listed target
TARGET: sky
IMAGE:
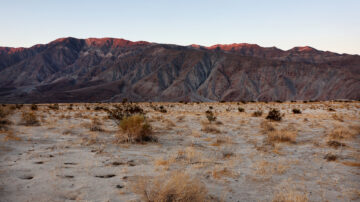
(330, 25)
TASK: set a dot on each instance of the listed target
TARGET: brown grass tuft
(178, 186)
(341, 133)
(282, 135)
(290, 196)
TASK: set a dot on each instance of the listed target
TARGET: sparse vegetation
(121, 112)
(29, 119)
(54, 106)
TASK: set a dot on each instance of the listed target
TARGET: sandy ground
(62, 160)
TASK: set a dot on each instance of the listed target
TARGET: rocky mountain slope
(108, 69)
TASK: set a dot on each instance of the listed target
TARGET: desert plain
(229, 151)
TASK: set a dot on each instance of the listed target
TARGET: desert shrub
(240, 109)
(330, 157)
(29, 119)
(279, 101)
(257, 113)
(54, 106)
(274, 114)
(88, 108)
(178, 187)
(210, 116)
(211, 107)
(4, 123)
(331, 109)
(18, 106)
(34, 107)
(70, 107)
(162, 109)
(296, 111)
(124, 100)
(135, 129)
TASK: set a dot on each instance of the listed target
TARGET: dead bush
(178, 187)
(335, 144)
(29, 119)
(296, 111)
(135, 129)
(54, 106)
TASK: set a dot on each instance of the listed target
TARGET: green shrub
(257, 113)
(34, 107)
(274, 115)
(210, 116)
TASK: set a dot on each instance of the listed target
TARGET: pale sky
(323, 24)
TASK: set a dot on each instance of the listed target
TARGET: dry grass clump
(263, 167)
(267, 126)
(178, 186)
(29, 119)
(341, 132)
(338, 117)
(96, 125)
(220, 172)
(282, 135)
(287, 195)
(135, 129)
(208, 128)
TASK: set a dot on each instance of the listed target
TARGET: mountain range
(110, 69)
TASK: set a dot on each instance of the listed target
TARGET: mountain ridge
(110, 69)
